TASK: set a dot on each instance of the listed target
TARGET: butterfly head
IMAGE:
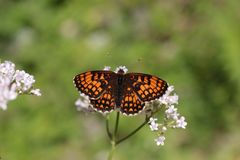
(121, 70)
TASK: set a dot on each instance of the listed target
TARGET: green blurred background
(194, 45)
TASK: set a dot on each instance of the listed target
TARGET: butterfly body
(108, 90)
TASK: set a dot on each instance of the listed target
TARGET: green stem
(107, 128)
(116, 125)
(134, 131)
(110, 155)
(113, 137)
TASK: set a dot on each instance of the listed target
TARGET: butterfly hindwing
(147, 87)
(105, 103)
(93, 83)
(130, 104)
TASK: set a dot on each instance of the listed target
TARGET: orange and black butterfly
(108, 90)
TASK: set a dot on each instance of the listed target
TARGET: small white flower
(171, 113)
(160, 140)
(107, 68)
(83, 104)
(164, 129)
(24, 81)
(3, 104)
(7, 94)
(173, 99)
(152, 120)
(122, 68)
(170, 89)
(36, 92)
(181, 123)
(169, 99)
(152, 124)
(7, 68)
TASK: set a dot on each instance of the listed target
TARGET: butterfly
(128, 93)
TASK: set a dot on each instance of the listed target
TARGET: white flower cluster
(172, 117)
(83, 104)
(14, 82)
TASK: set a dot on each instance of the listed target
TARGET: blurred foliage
(194, 45)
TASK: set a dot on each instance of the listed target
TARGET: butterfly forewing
(93, 83)
(147, 87)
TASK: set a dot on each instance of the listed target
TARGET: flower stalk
(107, 128)
(133, 132)
(113, 147)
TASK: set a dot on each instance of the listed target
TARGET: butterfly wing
(93, 83)
(97, 85)
(130, 104)
(105, 103)
(147, 87)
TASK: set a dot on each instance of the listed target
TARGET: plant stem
(134, 131)
(113, 137)
(116, 125)
(107, 128)
(110, 155)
